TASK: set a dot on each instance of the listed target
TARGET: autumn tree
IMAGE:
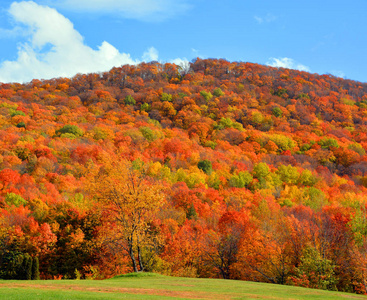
(221, 247)
(131, 201)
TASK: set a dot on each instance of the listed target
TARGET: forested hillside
(229, 170)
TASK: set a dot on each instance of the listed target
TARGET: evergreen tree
(35, 269)
(28, 266)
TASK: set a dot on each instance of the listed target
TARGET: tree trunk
(140, 260)
(132, 256)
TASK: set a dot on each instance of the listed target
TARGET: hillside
(153, 286)
(224, 169)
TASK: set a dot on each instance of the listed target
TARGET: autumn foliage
(223, 169)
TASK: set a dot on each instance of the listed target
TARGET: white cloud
(145, 10)
(150, 55)
(55, 48)
(288, 63)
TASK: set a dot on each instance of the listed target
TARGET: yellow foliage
(131, 200)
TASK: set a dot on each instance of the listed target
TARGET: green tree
(241, 180)
(14, 199)
(205, 165)
(314, 198)
(70, 129)
(206, 95)
(191, 213)
(145, 107)
(357, 148)
(218, 92)
(327, 143)
(257, 118)
(17, 113)
(307, 178)
(316, 271)
(283, 142)
(148, 133)
(12, 265)
(129, 100)
(261, 170)
(27, 265)
(166, 97)
(277, 112)
(35, 269)
(21, 125)
(288, 174)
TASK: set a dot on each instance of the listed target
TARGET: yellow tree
(131, 201)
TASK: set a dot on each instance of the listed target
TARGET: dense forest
(218, 169)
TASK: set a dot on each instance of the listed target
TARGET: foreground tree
(130, 201)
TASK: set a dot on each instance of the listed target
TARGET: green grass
(153, 286)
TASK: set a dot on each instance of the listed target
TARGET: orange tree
(130, 201)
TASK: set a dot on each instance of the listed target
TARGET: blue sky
(49, 38)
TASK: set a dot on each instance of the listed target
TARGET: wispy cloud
(265, 19)
(11, 33)
(288, 63)
(338, 73)
(144, 10)
(54, 48)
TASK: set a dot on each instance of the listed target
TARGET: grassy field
(152, 286)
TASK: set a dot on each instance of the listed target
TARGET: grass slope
(153, 286)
